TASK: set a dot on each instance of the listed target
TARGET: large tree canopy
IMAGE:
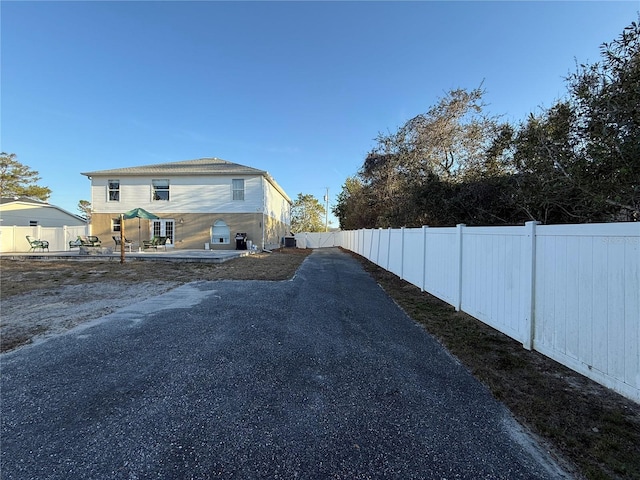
(576, 162)
(18, 180)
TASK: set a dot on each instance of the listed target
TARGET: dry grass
(21, 276)
(592, 427)
(43, 298)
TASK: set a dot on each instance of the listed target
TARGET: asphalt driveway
(320, 377)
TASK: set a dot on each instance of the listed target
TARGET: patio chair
(155, 242)
(35, 244)
(94, 241)
(127, 243)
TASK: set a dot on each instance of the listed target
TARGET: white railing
(571, 292)
(13, 239)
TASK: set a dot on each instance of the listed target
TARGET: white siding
(275, 204)
(47, 216)
(197, 194)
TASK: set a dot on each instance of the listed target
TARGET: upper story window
(237, 189)
(114, 190)
(160, 190)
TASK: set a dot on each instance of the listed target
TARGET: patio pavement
(169, 255)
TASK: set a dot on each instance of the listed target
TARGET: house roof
(37, 203)
(5, 200)
(200, 166)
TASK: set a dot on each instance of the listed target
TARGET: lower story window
(115, 224)
(220, 233)
(163, 228)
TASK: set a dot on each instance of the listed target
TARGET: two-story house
(203, 202)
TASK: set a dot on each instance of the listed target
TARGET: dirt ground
(42, 298)
(595, 430)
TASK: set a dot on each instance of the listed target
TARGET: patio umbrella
(140, 213)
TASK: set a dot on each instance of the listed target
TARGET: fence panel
(318, 239)
(493, 272)
(367, 240)
(13, 238)
(440, 265)
(413, 259)
(586, 300)
(572, 292)
(374, 252)
(395, 252)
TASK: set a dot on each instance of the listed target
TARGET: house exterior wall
(276, 206)
(193, 230)
(195, 204)
(47, 216)
(197, 194)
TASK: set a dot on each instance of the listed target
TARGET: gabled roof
(201, 166)
(37, 203)
(5, 200)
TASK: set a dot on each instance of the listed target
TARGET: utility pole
(326, 212)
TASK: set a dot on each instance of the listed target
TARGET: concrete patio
(169, 255)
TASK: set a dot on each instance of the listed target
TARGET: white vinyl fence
(13, 239)
(571, 292)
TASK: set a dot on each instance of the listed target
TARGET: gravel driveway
(319, 377)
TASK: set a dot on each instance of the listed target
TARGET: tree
(575, 162)
(84, 207)
(354, 207)
(407, 179)
(19, 180)
(578, 161)
(307, 214)
(606, 99)
(452, 135)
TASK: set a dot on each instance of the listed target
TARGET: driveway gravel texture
(318, 377)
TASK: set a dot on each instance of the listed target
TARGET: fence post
(424, 256)
(459, 235)
(529, 292)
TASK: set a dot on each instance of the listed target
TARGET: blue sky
(300, 89)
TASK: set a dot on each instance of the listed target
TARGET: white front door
(163, 228)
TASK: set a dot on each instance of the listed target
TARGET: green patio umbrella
(140, 213)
